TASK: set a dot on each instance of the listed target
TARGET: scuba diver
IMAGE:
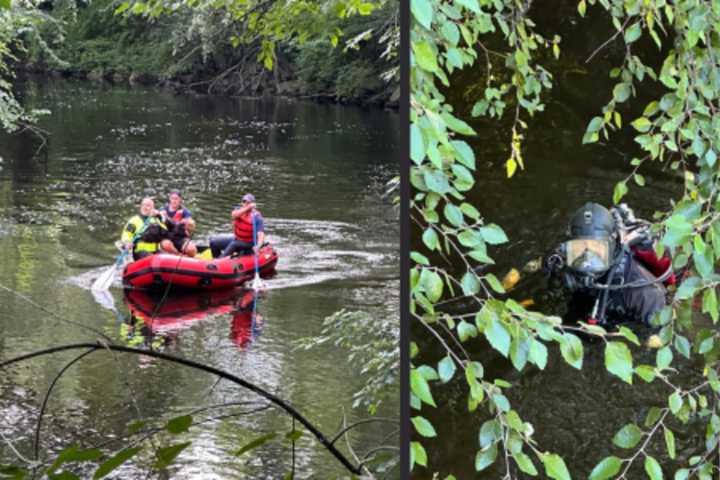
(610, 268)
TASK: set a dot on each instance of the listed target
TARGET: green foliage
(679, 129)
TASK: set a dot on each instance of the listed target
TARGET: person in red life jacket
(180, 225)
(249, 228)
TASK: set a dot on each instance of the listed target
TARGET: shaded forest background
(193, 49)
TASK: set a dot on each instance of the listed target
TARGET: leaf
(417, 454)
(417, 143)
(115, 461)
(258, 442)
(618, 360)
(664, 357)
(633, 33)
(572, 350)
(595, 125)
(675, 402)
(123, 6)
(446, 369)
(493, 234)
(642, 124)
(74, 454)
(453, 214)
(628, 436)
(652, 467)
(582, 7)
(485, 458)
(430, 239)
(494, 283)
(630, 335)
(498, 336)
(423, 427)
(607, 468)
(179, 424)
(432, 284)
(466, 330)
(555, 467)
(490, 432)
(510, 167)
(425, 56)
(619, 192)
(420, 387)
(525, 463)
(465, 153)
(422, 11)
(471, 5)
(669, 442)
(293, 435)
(166, 455)
(538, 353)
(621, 92)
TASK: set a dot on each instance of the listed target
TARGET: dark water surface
(318, 173)
(574, 413)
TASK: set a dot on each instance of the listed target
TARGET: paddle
(257, 283)
(106, 278)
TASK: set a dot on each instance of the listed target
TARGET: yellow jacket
(136, 231)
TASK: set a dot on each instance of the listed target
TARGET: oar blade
(105, 280)
(257, 283)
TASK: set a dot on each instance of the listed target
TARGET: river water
(574, 413)
(318, 172)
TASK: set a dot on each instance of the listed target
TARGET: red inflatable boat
(161, 269)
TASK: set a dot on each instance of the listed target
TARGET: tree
(677, 129)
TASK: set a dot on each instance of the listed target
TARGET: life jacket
(175, 216)
(244, 228)
(145, 233)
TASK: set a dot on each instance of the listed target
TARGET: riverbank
(193, 51)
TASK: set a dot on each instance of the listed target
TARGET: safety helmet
(593, 242)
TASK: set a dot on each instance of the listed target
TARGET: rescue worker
(144, 232)
(249, 228)
(174, 209)
(605, 266)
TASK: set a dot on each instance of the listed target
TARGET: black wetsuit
(627, 304)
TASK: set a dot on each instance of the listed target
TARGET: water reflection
(156, 319)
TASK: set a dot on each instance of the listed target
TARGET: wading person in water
(610, 268)
(249, 228)
(144, 232)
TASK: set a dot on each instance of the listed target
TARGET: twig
(608, 41)
(47, 397)
(205, 368)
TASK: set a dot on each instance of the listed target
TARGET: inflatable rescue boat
(162, 269)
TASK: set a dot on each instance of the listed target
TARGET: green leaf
(423, 427)
(417, 142)
(420, 387)
(572, 350)
(555, 467)
(630, 335)
(675, 402)
(417, 454)
(621, 92)
(432, 284)
(493, 234)
(538, 353)
(628, 436)
(646, 372)
(453, 214)
(419, 258)
(74, 454)
(642, 124)
(430, 239)
(465, 153)
(115, 461)
(179, 424)
(422, 11)
(425, 56)
(494, 283)
(525, 463)
(619, 192)
(485, 458)
(258, 442)
(618, 360)
(457, 125)
(595, 125)
(293, 435)
(470, 284)
(670, 442)
(166, 455)
(123, 6)
(682, 345)
(498, 336)
(446, 369)
(466, 330)
(471, 5)
(652, 467)
(633, 33)
(607, 468)
(490, 432)
(664, 357)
